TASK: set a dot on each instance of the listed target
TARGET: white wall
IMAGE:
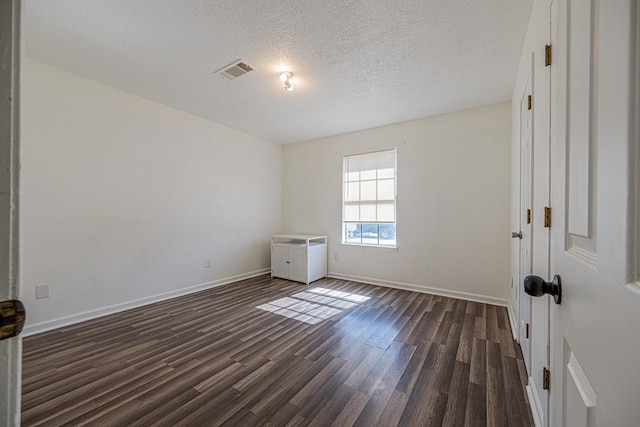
(453, 203)
(123, 199)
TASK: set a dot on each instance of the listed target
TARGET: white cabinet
(299, 257)
(288, 261)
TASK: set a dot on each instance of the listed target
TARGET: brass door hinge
(529, 102)
(528, 216)
(548, 55)
(546, 379)
(12, 317)
(547, 217)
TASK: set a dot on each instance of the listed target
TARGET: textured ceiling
(357, 64)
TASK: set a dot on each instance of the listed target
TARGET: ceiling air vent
(234, 70)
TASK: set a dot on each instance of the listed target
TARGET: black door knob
(536, 287)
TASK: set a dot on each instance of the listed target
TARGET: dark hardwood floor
(364, 355)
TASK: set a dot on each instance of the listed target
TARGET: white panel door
(280, 261)
(10, 349)
(298, 264)
(595, 377)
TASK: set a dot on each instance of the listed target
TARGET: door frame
(524, 300)
(539, 332)
(10, 349)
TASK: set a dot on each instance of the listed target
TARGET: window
(369, 199)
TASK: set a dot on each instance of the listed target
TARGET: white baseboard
(92, 314)
(467, 296)
(534, 403)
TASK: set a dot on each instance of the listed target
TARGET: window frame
(375, 202)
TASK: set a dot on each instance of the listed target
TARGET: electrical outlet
(207, 263)
(336, 256)
(43, 291)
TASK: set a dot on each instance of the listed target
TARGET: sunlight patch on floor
(313, 305)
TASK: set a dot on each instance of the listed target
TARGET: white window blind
(370, 188)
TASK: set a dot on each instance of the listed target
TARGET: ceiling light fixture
(285, 78)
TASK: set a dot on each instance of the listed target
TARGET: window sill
(363, 245)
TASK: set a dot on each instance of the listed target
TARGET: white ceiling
(358, 64)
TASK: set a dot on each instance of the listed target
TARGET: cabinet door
(317, 264)
(279, 261)
(298, 264)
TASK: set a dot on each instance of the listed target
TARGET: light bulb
(285, 77)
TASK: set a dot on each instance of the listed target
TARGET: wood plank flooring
(385, 357)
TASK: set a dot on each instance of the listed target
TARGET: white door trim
(10, 349)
